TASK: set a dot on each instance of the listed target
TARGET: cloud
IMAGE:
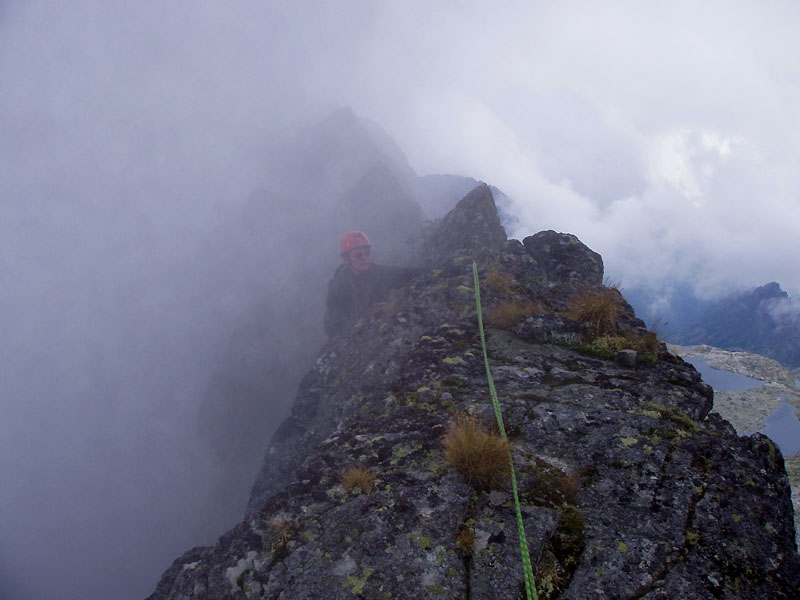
(659, 136)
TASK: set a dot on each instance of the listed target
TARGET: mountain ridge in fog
(762, 320)
(339, 174)
(624, 476)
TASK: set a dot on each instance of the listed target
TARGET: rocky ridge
(746, 410)
(630, 488)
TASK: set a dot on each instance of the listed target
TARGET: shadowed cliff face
(629, 488)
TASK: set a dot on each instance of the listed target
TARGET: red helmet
(352, 240)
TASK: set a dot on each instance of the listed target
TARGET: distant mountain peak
(760, 320)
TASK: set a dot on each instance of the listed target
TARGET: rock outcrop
(629, 487)
(749, 410)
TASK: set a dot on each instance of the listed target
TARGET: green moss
(608, 346)
(352, 536)
(598, 352)
(568, 541)
(403, 451)
(672, 413)
(692, 538)
(652, 414)
(622, 546)
(772, 453)
(357, 584)
(449, 383)
(309, 535)
(436, 589)
(453, 360)
(423, 541)
(629, 441)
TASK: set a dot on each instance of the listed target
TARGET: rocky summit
(628, 487)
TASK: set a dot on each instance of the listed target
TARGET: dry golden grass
(649, 345)
(600, 310)
(496, 282)
(465, 541)
(480, 456)
(282, 526)
(357, 479)
(506, 315)
(283, 529)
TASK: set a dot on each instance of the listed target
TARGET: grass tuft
(481, 457)
(496, 282)
(465, 541)
(505, 315)
(599, 309)
(283, 530)
(358, 480)
(607, 346)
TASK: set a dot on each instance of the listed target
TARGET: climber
(358, 283)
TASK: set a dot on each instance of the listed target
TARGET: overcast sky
(663, 134)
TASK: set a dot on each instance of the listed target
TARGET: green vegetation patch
(552, 487)
(556, 566)
(356, 584)
(608, 346)
(672, 413)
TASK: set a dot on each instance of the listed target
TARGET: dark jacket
(351, 293)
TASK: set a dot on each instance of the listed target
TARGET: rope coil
(527, 569)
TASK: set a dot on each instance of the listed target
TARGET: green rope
(527, 569)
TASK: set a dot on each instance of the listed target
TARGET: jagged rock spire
(471, 230)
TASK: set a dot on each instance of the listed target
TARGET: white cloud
(662, 132)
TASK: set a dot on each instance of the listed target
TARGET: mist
(133, 139)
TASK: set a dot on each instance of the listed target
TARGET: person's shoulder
(342, 271)
(342, 278)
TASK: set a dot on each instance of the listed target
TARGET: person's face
(358, 259)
